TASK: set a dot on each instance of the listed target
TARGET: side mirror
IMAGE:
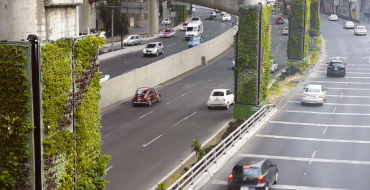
(304, 88)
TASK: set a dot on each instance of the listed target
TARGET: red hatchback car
(146, 96)
(279, 20)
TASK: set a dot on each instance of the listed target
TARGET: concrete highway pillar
(153, 19)
(86, 17)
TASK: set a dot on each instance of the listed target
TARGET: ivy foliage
(91, 163)
(307, 28)
(15, 117)
(297, 30)
(248, 45)
(266, 48)
(315, 26)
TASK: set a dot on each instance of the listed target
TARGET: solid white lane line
(351, 89)
(326, 128)
(106, 135)
(312, 139)
(346, 77)
(183, 95)
(332, 82)
(146, 114)
(325, 113)
(318, 125)
(144, 145)
(357, 73)
(334, 109)
(306, 159)
(343, 96)
(185, 119)
(108, 168)
(313, 155)
(285, 187)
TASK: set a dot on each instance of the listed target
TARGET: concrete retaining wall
(123, 87)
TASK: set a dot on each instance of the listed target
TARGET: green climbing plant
(315, 26)
(248, 44)
(266, 48)
(16, 123)
(297, 30)
(307, 29)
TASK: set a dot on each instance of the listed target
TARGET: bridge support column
(153, 15)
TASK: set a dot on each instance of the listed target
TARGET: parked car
(166, 21)
(145, 96)
(220, 98)
(213, 14)
(226, 17)
(153, 48)
(348, 24)
(286, 31)
(233, 64)
(253, 173)
(103, 78)
(132, 40)
(360, 30)
(336, 67)
(195, 41)
(313, 94)
(102, 35)
(183, 26)
(333, 17)
(168, 32)
(279, 20)
(274, 66)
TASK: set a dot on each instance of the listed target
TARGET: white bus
(194, 29)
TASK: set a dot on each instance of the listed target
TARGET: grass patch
(280, 88)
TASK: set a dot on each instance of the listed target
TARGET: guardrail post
(214, 156)
(240, 132)
(206, 160)
(192, 175)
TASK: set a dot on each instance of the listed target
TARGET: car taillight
(320, 96)
(231, 177)
(342, 67)
(261, 179)
(329, 66)
(302, 95)
(209, 99)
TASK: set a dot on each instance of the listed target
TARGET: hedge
(16, 123)
(248, 44)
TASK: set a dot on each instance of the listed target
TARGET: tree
(120, 22)
(349, 8)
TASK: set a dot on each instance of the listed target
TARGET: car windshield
(142, 91)
(218, 93)
(185, 24)
(191, 29)
(166, 19)
(312, 89)
(167, 30)
(195, 19)
(246, 171)
(151, 45)
(195, 40)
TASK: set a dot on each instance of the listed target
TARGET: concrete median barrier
(123, 87)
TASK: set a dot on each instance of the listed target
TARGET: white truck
(274, 66)
(193, 29)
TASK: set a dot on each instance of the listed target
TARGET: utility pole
(112, 36)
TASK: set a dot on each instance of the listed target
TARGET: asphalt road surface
(279, 43)
(148, 142)
(320, 147)
(120, 64)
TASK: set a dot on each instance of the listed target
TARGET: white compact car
(166, 21)
(226, 17)
(220, 98)
(314, 94)
(286, 31)
(360, 30)
(333, 17)
(348, 24)
(274, 66)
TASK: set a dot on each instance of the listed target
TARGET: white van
(194, 29)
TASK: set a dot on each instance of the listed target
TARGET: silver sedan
(314, 94)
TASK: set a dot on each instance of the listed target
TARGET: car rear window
(151, 45)
(167, 30)
(217, 93)
(286, 28)
(142, 91)
(185, 24)
(312, 89)
(361, 27)
(252, 171)
(336, 64)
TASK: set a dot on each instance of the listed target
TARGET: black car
(336, 67)
(254, 173)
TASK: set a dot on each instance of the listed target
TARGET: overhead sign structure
(134, 7)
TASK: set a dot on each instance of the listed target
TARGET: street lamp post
(112, 36)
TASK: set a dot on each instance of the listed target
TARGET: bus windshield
(191, 29)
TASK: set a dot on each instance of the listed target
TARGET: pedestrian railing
(202, 165)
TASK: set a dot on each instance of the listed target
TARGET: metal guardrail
(275, 79)
(202, 165)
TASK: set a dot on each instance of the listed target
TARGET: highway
(279, 43)
(148, 142)
(318, 147)
(120, 64)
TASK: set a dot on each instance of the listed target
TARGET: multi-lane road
(146, 143)
(320, 147)
(120, 64)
